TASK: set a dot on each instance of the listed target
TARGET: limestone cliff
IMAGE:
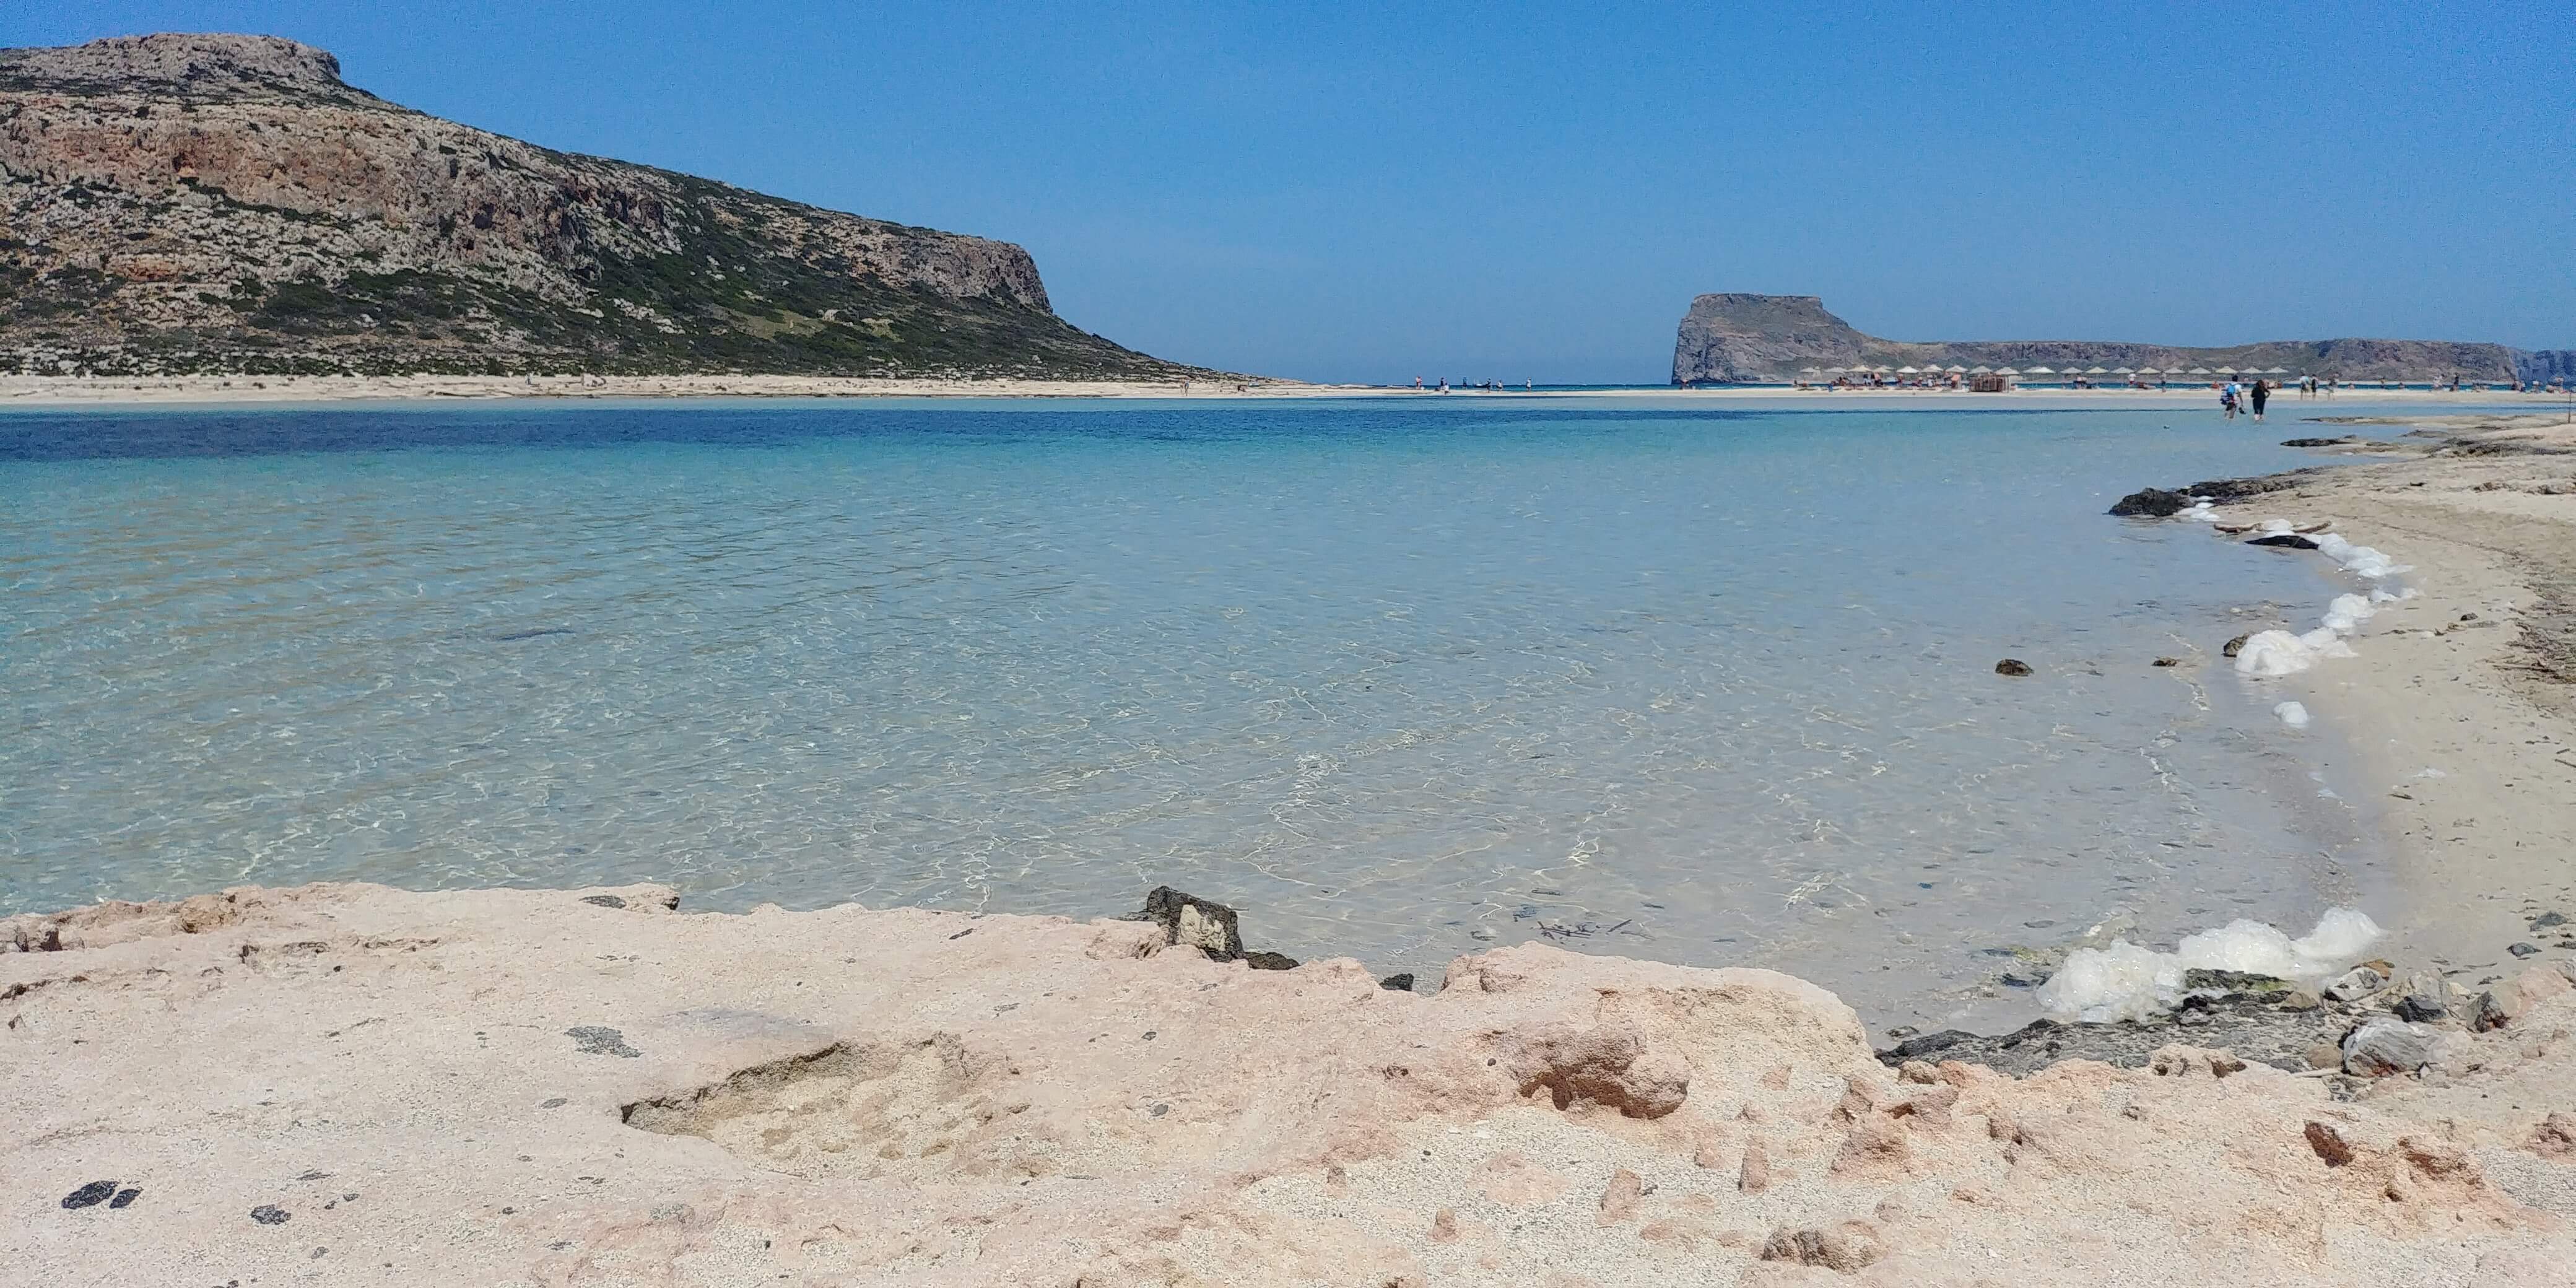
(226, 203)
(1731, 338)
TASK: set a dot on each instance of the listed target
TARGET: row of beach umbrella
(2039, 371)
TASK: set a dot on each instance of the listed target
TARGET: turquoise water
(1399, 678)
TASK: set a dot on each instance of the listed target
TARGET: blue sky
(1378, 191)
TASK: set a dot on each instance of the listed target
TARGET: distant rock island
(1731, 338)
(220, 203)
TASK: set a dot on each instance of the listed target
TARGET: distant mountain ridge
(178, 203)
(1730, 338)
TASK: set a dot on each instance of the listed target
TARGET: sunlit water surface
(1400, 679)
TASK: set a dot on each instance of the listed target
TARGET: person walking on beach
(2227, 399)
(2262, 394)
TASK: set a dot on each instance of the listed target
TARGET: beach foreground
(352, 1084)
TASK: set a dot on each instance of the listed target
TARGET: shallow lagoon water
(1400, 678)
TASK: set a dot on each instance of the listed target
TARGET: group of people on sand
(2234, 398)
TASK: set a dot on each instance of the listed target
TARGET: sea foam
(2125, 981)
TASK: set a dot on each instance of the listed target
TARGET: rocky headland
(1731, 338)
(177, 204)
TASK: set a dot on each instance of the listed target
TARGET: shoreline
(604, 1088)
(26, 391)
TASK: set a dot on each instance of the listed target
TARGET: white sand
(524, 1088)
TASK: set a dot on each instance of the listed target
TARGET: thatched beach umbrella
(1909, 371)
(2121, 371)
(2006, 371)
(2197, 371)
(1961, 371)
(2276, 371)
(2095, 371)
(2149, 371)
(2040, 371)
(1978, 370)
(2227, 371)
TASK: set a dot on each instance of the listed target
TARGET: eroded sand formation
(352, 1084)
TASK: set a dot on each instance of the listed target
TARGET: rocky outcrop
(1732, 338)
(180, 203)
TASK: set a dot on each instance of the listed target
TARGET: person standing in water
(2262, 393)
(2227, 400)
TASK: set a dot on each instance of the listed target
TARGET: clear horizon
(1341, 193)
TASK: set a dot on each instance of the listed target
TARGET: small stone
(125, 1197)
(2355, 984)
(2547, 919)
(1400, 982)
(603, 901)
(2524, 949)
(591, 1039)
(1444, 1226)
(2487, 1014)
(90, 1195)
(1755, 1175)
(1270, 961)
(2324, 1055)
(1845, 1247)
(2285, 541)
(2237, 645)
(2427, 999)
(554, 1102)
(1619, 1201)
(2168, 661)
(2298, 999)
(2329, 1144)
(269, 1214)
(2012, 666)
(2382, 1046)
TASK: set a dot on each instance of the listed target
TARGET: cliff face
(209, 202)
(1728, 338)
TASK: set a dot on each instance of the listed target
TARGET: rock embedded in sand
(1203, 924)
(2382, 1047)
(2284, 541)
(90, 1195)
(1400, 982)
(1608, 1067)
(2355, 984)
(2235, 646)
(1755, 1174)
(1619, 1199)
(1846, 1247)
(2012, 666)
(2329, 1144)
(2428, 998)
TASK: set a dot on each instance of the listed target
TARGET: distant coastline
(28, 391)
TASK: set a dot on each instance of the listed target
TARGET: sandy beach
(38, 391)
(598, 1087)
(2458, 702)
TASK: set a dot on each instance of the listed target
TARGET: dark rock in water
(2232, 981)
(2524, 949)
(2285, 541)
(2168, 661)
(2235, 646)
(90, 1195)
(1270, 961)
(1400, 982)
(269, 1214)
(1200, 923)
(125, 1197)
(2012, 666)
(2151, 503)
(603, 901)
(2225, 490)
(591, 1039)
(513, 637)
(2319, 442)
